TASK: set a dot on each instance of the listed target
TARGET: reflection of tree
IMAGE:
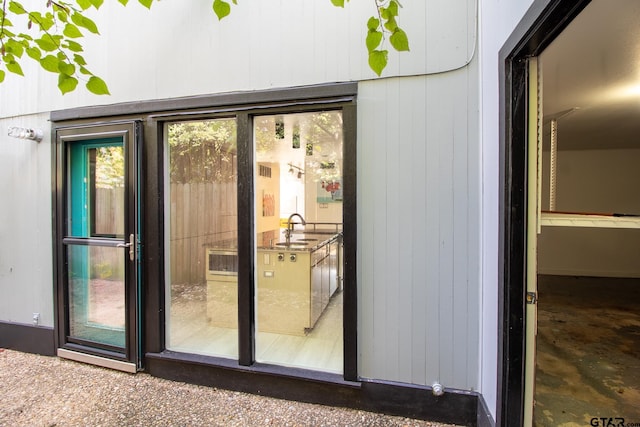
(202, 151)
(324, 135)
(321, 139)
(109, 167)
(265, 133)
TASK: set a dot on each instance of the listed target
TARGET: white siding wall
(419, 205)
(174, 51)
(25, 225)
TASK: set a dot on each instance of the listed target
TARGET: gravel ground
(48, 391)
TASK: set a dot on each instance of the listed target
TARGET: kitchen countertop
(300, 240)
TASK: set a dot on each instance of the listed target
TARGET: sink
(292, 244)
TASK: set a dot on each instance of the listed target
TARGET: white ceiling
(592, 72)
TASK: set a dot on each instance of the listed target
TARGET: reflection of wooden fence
(106, 262)
(109, 211)
(200, 214)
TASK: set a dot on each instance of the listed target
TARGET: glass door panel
(298, 217)
(201, 246)
(97, 294)
(106, 186)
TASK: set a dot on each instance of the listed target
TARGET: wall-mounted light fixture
(25, 133)
(300, 170)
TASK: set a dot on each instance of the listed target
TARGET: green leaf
(50, 63)
(123, 2)
(393, 8)
(72, 31)
(14, 47)
(16, 8)
(47, 21)
(14, 67)
(374, 38)
(378, 60)
(66, 68)
(338, 3)
(25, 36)
(63, 16)
(2, 74)
(67, 83)
(399, 40)
(85, 71)
(391, 24)
(79, 59)
(97, 3)
(34, 53)
(84, 4)
(35, 17)
(73, 46)
(97, 86)
(221, 8)
(146, 3)
(82, 21)
(373, 23)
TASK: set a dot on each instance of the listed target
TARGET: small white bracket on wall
(437, 389)
(25, 133)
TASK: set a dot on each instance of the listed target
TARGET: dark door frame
(244, 107)
(542, 23)
(130, 132)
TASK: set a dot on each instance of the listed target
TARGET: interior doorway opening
(587, 293)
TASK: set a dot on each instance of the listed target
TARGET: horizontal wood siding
(419, 229)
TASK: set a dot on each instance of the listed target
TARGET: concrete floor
(588, 351)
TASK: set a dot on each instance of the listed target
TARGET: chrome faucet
(290, 225)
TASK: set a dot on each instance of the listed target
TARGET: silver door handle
(131, 245)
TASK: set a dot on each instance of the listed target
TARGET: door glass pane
(202, 258)
(298, 217)
(96, 294)
(96, 188)
(106, 186)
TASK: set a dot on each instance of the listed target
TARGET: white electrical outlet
(36, 318)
